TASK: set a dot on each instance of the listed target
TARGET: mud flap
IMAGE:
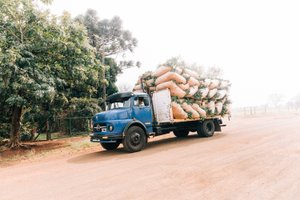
(217, 123)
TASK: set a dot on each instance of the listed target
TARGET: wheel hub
(135, 138)
(208, 127)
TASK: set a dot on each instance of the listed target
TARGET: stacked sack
(193, 97)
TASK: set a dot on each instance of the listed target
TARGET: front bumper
(104, 138)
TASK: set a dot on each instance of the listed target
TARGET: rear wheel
(181, 133)
(110, 146)
(207, 129)
(135, 139)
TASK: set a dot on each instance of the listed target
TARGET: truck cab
(129, 113)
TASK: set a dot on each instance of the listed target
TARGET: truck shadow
(153, 146)
(173, 142)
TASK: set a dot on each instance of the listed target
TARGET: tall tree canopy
(108, 36)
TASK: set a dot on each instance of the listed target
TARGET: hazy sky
(256, 43)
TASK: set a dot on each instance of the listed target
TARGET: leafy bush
(4, 131)
(83, 107)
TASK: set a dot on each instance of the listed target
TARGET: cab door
(142, 111)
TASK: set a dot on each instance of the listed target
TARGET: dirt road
(253, 158)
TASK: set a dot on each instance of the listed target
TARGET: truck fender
(137, 123)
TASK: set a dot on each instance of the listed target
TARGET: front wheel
(135, 139)
(110, 146)
(207, 129)
(181, 133)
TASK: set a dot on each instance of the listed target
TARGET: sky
(256, 43)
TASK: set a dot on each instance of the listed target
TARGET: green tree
(109, 38)
(214, 72)
(178, 61)
(43, 60)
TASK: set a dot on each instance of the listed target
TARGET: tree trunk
(104, 82)
(33, 133)
(15, 127)
(104, 90)
(47, 130)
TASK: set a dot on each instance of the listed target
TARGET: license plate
(95, 140)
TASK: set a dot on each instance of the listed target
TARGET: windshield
(119, 104)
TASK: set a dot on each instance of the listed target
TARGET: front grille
(98, 127)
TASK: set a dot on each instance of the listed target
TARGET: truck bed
(191, 125)
(190, 120)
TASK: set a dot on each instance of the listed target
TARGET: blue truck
(131, 118)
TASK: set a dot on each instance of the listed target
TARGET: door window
(141, 101)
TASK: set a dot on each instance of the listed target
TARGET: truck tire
(110, 146)
(207, 129)
(181, 133)
(135, 139)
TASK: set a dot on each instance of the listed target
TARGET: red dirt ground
(253, 158)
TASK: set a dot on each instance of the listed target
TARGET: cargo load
(193, 97)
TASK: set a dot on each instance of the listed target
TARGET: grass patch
(59, 135)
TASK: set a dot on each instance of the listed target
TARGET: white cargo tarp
(162, 106)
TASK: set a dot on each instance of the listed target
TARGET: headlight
(110, 128)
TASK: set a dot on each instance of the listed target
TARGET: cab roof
(120, 96)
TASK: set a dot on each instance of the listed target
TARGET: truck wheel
(110, 146)
(181, 133)
(207, 129)
(135, 139)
